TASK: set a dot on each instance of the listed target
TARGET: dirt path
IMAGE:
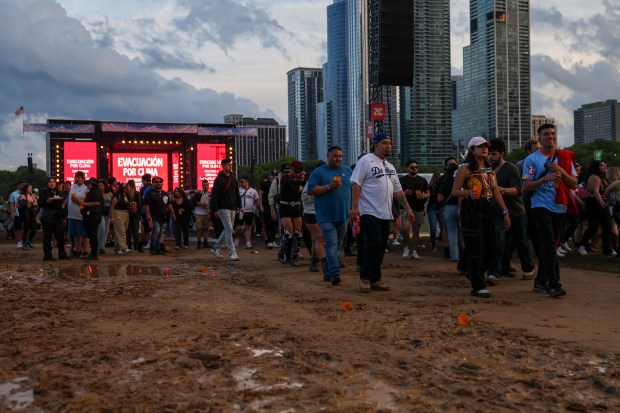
(194, 333)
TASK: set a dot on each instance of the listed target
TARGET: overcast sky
(198, 60)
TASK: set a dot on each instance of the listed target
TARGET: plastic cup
(337, 179)
(463, 319)
(347, 306)
(477, 191)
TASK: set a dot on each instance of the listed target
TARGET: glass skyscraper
(426, 108)
(599, 120)
(305, 91)
(346, 76)
(493, 97)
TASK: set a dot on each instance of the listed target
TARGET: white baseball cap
(477, 141)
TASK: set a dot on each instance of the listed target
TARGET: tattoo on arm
(402, 199)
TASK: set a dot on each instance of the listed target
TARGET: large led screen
(208, 159)
(126, 166)
(80, 156)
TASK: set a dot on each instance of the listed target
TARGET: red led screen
(126, 166)
(80, 156)
(208, 162)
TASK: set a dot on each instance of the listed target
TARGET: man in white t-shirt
(375, 185)
(202, 214)
(249, 199)
(76, 223)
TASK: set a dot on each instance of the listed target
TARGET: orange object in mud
(347, 306)
(463, 319)
(203, 268)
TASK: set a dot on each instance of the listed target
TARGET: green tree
(8, 179)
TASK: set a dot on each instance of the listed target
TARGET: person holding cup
(475, 184)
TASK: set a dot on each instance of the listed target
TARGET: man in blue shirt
(542, 175)
(331, 186)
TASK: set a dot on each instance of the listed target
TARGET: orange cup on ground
(463, 319)
(347, 306)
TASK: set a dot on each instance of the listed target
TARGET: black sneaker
(541, 288)
(556, 292)
(335, 280)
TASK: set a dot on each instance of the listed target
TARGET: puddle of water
(16, 400)
(259, 352)
(102, 271)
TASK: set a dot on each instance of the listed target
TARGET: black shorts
(247, 219)
(310, 219)
(290, 211)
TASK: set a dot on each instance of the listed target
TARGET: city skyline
(168, 60)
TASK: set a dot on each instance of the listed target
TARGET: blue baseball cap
(379, 137)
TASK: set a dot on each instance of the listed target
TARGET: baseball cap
(379, 137)
(477, 141)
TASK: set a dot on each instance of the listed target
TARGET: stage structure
(182, 154)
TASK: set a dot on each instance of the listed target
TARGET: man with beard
(375, 184)
(510, 186)
(331, 186)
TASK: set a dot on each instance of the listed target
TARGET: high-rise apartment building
(538, 121)
(346, 76)
(268, 145)
(426, 108)
(305, 91)
(599, 120)
(493, 98)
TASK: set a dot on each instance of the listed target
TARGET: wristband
(328, 188)
(504, 211)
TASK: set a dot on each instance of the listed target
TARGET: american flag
(19, 111)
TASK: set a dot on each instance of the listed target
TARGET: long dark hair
(472, 163)
(120, 193)
(594, 169)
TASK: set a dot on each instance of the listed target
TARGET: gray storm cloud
(51, 64)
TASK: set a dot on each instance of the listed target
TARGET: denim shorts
(76, 227)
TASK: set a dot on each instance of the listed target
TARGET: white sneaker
(406, 252)
(234, 257)
(613, 253)
(248, 246)
(395, 243)
(126, 251)
(272, 245)
(216, 252)
(560, 253)
(582, 250)
(19, 244)
(148, 245)
(414, 255)
(565, 246)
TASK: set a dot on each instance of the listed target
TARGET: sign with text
(208, 162)
(370, 130)
(377, 111)
(176, 176)
(80, 156)
(126, 166)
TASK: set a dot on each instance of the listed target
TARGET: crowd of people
(484, 210)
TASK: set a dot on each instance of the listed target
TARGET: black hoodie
(225, 193)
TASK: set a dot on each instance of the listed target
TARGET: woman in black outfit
(92, 211)
(290, 214)
(182, 212)
(51, 221)
(135, 205)
(27, 207)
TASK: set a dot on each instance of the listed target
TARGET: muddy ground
(189, 332)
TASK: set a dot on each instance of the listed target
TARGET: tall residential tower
(493, 97)
(305, 91)
(426, 108)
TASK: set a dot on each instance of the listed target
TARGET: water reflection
(102, 271)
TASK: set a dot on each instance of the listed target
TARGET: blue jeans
(226, 216)
(333, 236)
(158, 228)
(433, 219)
(451, 216)
(102, 232)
